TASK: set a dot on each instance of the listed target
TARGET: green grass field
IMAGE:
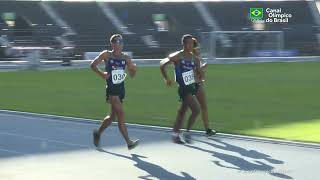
(279, 100)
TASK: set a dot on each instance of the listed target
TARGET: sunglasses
(118, 41)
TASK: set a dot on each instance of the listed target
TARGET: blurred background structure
(64, 31)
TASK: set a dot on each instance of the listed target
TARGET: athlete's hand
(202, 74)
(202, 77)
(105, 75)
(132, 70)
(168, 82)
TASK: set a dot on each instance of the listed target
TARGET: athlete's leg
(118, 109)
(177, 136)
(203, 106)
(204, 110)
(180, 117)
(107, 121)
(193, 104)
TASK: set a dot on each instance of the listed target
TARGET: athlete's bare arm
(198, 69)
(199, 73)
(103, 56)
(172, 58)
(131, 66)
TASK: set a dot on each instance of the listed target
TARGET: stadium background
(267, 99)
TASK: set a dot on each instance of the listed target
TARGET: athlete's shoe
(187, 137)
(133, 144)
(96, 138)
(210, 132)
(178, 139)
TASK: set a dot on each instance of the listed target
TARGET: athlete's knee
(195, 110)
(182, 110)
(203, 107)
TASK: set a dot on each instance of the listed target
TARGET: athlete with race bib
(186, 66)
(115, 64)
(200, 93)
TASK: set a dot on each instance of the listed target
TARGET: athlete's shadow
(242, 151)
(153, 170)
(239, 163)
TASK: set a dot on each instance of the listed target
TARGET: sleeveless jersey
(184, 73)
(116, 68)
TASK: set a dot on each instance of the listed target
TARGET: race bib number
(118, 76)
(188, 77)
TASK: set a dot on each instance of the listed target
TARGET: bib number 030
(188, 77)
(118, 76)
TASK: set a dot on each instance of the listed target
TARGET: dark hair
(113, 38)
(185, 38)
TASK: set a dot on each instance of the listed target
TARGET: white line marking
(64, 119)
(44, 139)
(12, 151)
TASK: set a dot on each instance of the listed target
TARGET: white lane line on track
(11, 151)
(44, 139)
(65, 119)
